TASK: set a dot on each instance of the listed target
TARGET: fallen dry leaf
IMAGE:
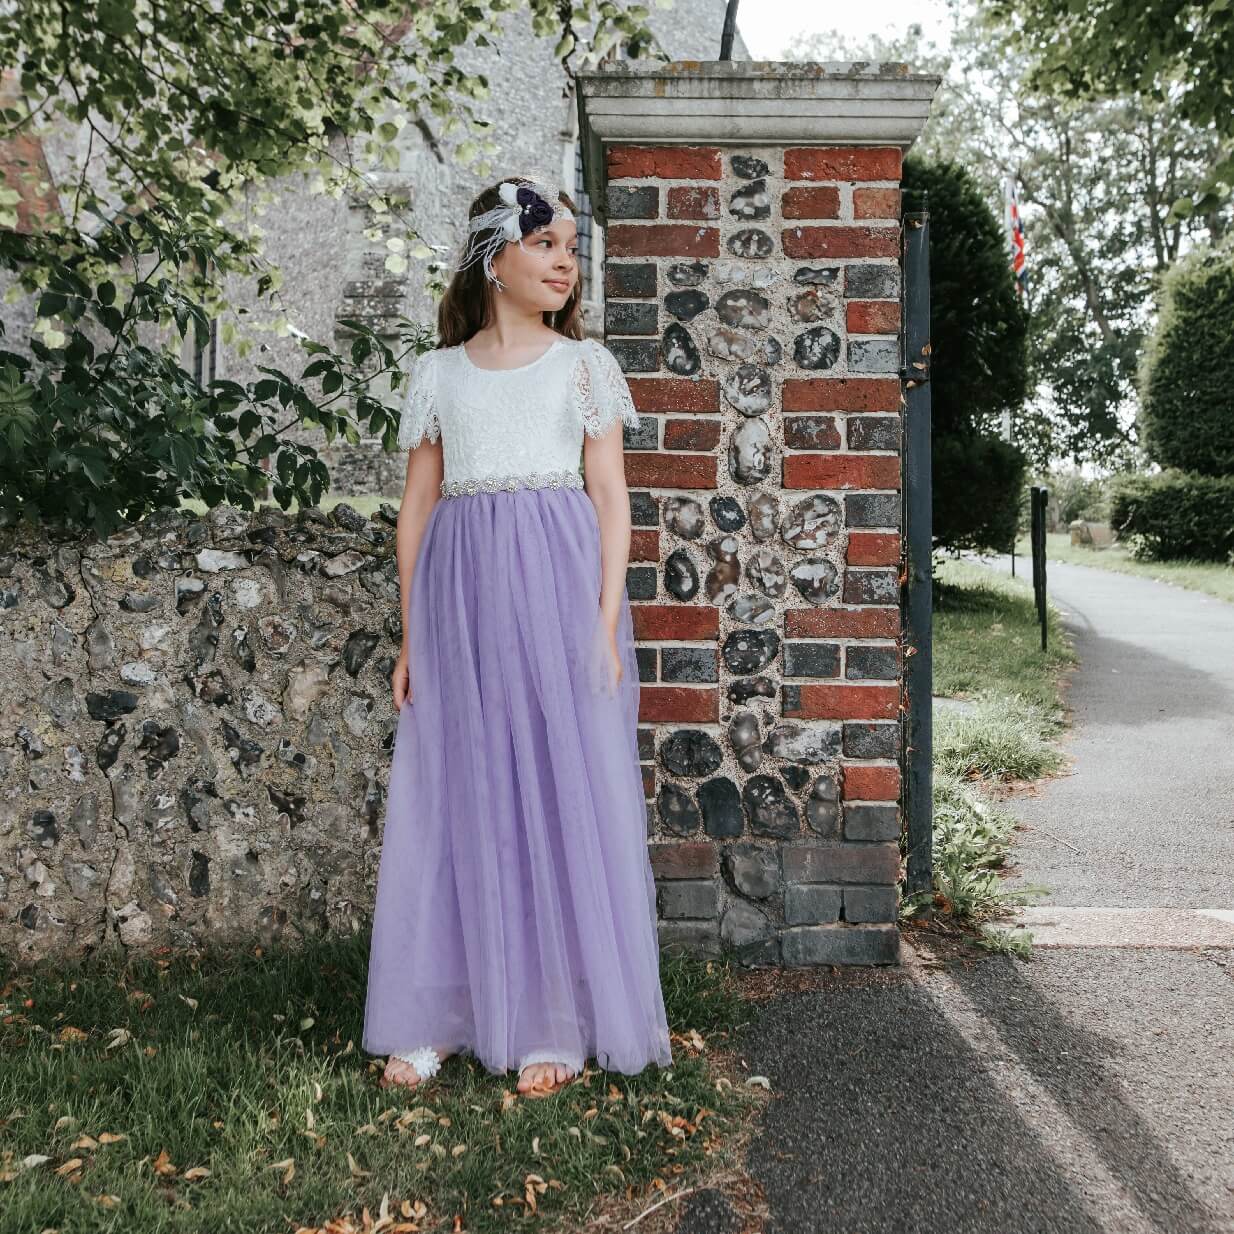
(162, 1163)
(288, 1165)
(118, 1037)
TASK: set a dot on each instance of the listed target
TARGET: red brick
(863, 782)
(839, 241)
(693, 859)
(881, 622)
(876, 203)
(693, 201)
(815, 202)
(648, 470)
(691, 433)
(678, 704)
(841, 394)
(664, 162)
(677, 394)
(837, 471)
(662, 240)
(873, 548)
(828, 702)
(679, 622)
(649, 780)
(873, 317)
(842, 163)
(645, 544)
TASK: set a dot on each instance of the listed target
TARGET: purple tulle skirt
(515, 909)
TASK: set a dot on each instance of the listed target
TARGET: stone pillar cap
(735, 103)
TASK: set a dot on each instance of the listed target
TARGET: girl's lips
(559, 284)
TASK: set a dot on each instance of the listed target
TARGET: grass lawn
(1210, 577)
(987, 652)
(229, 1093)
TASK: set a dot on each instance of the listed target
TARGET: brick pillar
(752, 296)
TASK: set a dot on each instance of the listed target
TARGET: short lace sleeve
(601, 393)
(419, 419)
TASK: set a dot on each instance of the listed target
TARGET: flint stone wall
(195, 730)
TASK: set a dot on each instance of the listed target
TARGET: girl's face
(542, 273)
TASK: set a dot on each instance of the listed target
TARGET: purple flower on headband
(534, 210)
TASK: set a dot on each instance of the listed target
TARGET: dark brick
(882, 663)
(646, 743)
(646, 659)
(871, 904)
(872, 509)
(644, 509)
(871, 587)
(811, 433)
(689, 664)
(841, 944)
(641, 582)
(811, 659)
(875, 820)
(810, 904)
(631, 317)
(636, 355)
(873, 281)
(687, 898)
(642, 202)
(630, 279)
(871, 433)
(865, 739)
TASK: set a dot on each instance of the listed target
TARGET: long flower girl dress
(515, 906)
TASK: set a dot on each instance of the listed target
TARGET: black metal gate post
(1039, 496)
(918, 585)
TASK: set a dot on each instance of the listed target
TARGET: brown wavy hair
(467, 305)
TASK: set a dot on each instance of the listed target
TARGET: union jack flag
(1015, 231)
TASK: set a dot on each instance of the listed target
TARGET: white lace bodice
(503, 428)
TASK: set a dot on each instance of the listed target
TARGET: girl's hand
(400, 680)
(616, 659)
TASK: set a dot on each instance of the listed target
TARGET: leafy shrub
(978, 480)
(98, 426)
(1187, 372)
(1175, 516)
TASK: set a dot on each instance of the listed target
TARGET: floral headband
(525, 207)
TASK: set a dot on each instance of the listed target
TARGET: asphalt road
(1091, 1088)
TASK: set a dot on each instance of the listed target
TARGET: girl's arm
(421, 491)
(604, 478)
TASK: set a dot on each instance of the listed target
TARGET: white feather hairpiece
(510, 221)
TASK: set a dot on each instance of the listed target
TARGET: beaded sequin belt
(508, 483)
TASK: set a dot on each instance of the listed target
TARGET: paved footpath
(1090, 1089)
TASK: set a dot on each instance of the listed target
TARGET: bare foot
(399, 1072)
(543, 1076)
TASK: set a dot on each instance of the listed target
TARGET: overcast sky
(768, 25)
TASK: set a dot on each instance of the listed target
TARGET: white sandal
(424, 1059)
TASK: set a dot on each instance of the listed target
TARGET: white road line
(1108, 1203)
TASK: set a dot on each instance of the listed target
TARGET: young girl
(515, 908)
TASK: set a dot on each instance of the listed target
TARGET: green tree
(1178, 53)
(979, 362)
(1187, 375)
(187, 112)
